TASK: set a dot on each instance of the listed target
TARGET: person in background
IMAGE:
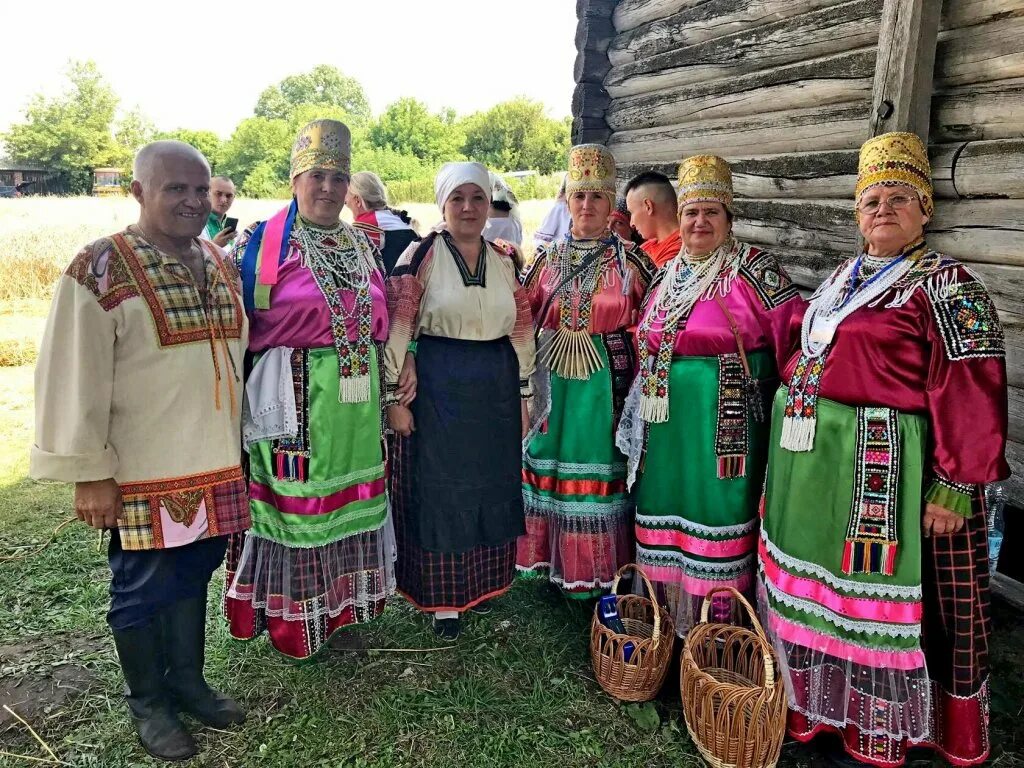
(586, 291)
(320, 554)
(651, 202)
(874, 579)
(556, 223)
(456, 464)
(222, 196)
(503, 222)
(389, 230)
(138, 404)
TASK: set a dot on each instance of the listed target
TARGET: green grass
(515, 692)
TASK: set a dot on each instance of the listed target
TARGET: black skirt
(465, 455)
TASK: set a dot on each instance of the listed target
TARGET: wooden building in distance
(787, 90)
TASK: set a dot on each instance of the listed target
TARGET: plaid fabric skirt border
(443, 581)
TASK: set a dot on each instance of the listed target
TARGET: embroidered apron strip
(731, 438)
(291, 454)
(871, 542)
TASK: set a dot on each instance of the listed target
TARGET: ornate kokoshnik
(570, 351)
(340, 262)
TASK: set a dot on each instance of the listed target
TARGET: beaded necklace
(687, 280)
(339, 261)
(847, 290)
(570, 352)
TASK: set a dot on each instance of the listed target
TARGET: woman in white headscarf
(456, 307)
(503, 222)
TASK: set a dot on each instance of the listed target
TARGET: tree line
(80, 130)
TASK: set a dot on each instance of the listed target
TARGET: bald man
(651, 201)
(137, 404)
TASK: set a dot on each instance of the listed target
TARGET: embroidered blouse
(940, 352)
(762, 300)
(138, 381)
(438, 296)
(625, 274)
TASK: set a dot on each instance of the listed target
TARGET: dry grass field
(40, 235)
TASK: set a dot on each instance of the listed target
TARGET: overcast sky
(202, 64)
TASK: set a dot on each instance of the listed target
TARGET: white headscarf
(454, 175)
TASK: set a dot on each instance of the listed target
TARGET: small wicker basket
(649, 628)
(735, 708)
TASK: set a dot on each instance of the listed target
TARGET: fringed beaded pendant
(571, 354)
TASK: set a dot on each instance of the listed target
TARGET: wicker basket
(735, 709)
(652, 632)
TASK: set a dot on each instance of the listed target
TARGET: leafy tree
(324, 86)
(257, 143)
(389, 164)
(517, 135)
(207, 142)
(133, 131)
(71, 132)
(408, 128)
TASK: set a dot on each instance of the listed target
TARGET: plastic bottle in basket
(608, 613)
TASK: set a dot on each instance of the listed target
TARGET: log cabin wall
(977, 147)
(783, 90)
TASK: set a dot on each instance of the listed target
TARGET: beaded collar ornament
(342, 261)
(687, 280)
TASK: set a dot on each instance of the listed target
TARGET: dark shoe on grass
(447, 630)
(141, 653)
(482, 609)
(184, 627)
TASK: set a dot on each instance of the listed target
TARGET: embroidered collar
(469, 279)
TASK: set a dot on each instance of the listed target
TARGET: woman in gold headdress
(320, 554)
(585, 290)
(713, 328)
(873, 553)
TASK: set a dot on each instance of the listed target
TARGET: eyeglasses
(896, 202)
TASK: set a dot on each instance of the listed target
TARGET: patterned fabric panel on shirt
(770, 282)
(99, 268)
(966, 317)
(196, 507)
(172, 297)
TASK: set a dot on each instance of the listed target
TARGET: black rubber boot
(140, 651)
(185, 639)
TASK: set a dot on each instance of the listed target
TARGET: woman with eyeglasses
(873, 553)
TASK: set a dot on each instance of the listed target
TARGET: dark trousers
(145, 582)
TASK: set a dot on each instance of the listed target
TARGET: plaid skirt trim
(444, 581)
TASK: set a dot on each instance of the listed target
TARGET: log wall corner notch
(594, 33)
(904, 68)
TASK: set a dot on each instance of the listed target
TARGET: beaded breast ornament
(342, 261)
(687, 280)
(570, 352)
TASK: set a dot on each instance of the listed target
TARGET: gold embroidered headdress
(323, 144)
(896, 158)
(705, 179)
(591, 168)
